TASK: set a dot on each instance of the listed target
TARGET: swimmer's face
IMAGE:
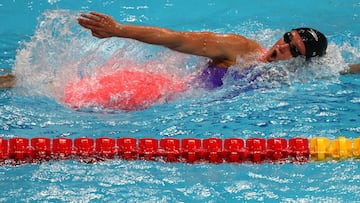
(289, 46)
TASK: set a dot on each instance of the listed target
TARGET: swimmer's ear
(353, 69)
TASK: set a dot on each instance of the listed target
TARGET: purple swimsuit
(212, 76)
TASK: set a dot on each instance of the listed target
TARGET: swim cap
(315, 42)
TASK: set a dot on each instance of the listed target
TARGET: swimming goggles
(293, 50)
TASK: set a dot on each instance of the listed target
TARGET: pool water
(44, 47)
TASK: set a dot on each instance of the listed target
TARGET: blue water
(43, 46)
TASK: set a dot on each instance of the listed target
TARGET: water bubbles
(53, 1)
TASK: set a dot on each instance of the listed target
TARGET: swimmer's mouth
(274, 54)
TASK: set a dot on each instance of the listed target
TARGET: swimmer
(222, 50)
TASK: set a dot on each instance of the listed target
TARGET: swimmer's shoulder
(235, 46)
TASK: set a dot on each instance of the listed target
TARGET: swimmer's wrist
(118, 30)
(123, 30)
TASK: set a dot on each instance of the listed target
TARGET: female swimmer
(222, 50)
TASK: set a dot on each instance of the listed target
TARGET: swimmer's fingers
(101, 25)
(94, 27)
(96, 19)
(88, 22)
(89, 16)
(99, 15)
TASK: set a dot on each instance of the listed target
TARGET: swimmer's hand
(7, 80)
(353, 68)
(100, 25)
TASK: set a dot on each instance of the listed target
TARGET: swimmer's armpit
(353, 69)
(7, 80)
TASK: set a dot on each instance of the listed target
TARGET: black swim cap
(315, 42)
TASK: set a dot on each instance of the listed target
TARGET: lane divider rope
(20, 150)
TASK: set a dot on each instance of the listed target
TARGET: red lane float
(277, 149)
(4, 150)
(298, 150)
(170, 149)
(20, 150)
(62, 148)
(105, 147)
(40, 149)
(189, 150)
(127, 148)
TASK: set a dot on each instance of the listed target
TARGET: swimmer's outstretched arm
(219, 47)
